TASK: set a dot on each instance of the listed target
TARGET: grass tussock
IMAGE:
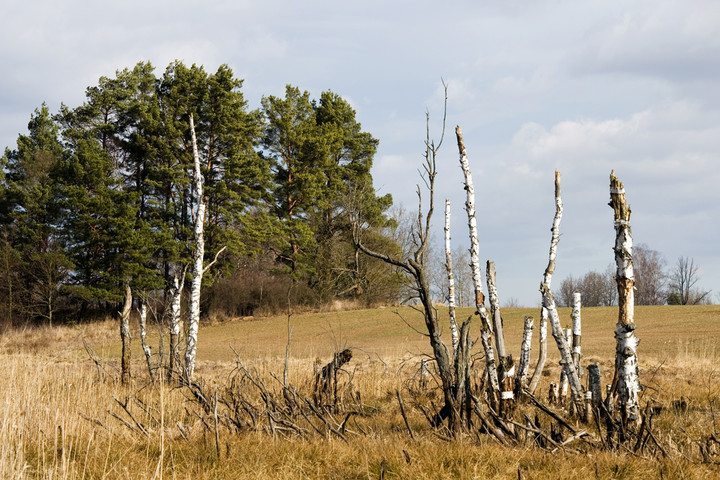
(63, 417)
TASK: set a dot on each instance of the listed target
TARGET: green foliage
(100, 195)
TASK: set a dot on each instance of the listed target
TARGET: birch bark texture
(175, 320)
(472, 231)
(626, 362)
(486, 331)
(524, 363)
(577, 330)
(198, 255)
(451, 282)
(143, 340)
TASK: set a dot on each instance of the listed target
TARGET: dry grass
(59, 418)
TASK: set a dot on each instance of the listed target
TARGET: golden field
(60, 417)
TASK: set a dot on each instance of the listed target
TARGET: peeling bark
(490, 365)
(576, 331)
(626, 362)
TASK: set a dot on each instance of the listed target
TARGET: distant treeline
(97, 196)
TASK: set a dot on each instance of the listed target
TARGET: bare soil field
(65, 416)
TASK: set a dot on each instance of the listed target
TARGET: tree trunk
(594, 384)
(626, 362)
(542, 351)
(548, 302)
(143, 340)
(125, 336)
(576, 331)
(175, 322)
(198, 259)
(451, 282)
(472, 228)
(495, 310)
(524, 362)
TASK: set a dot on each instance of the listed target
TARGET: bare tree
(454, 379)
(597, 289)
(627, 376)
(649, 277)
(549, 310)
(682, 289)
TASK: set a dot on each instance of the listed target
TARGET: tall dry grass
(61, 416)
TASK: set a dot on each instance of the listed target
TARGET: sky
(536, 85)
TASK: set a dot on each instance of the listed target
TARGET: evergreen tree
(30, 219)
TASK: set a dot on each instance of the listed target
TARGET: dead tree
(451, 281)
(506, 368)
(487, 328)
(626, 362)
(577, 331)
(326, 379)
(524, 362)
(414, 265)
(125, 335)
(542, 351)
(548, 303)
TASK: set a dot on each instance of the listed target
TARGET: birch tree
(199, 267)
(626, 363)
(451, 281)
(479, 304)
(549, 309)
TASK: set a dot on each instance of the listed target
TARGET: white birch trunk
(472, 227)
(175, 321)
(576, 331)
(524, 362)
(495, 310)
(563, 372)
(143, 340)
(549, 302)
(198, 270)
(451, 282)
(563, 345)
(626, 362)
(542, 351)
(491, 366)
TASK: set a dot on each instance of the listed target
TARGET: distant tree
(650, 279)
(682, 281)
(564, 294)
(597, 289)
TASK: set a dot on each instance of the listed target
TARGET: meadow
(65, 416)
